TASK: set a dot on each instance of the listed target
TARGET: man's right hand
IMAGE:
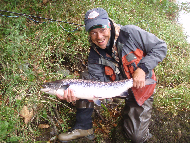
(68, 95)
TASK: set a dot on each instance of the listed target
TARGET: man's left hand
(139, 78)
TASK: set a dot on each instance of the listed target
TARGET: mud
(165, 128)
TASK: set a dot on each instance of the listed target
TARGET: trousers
(136, 119)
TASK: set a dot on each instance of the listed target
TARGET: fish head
(52, 91)
(54, 88)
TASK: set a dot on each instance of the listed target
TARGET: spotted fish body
(91, 90)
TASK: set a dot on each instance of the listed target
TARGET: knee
(137, 137)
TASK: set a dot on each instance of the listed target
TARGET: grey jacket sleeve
(96, 72)
(154, 48)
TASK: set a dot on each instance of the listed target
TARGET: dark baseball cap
(96, 16)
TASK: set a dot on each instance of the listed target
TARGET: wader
(136, 118)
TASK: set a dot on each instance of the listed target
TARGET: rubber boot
(83, 125)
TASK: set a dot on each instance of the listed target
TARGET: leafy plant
(34, 50)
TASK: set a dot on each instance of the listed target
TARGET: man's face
(100, 36)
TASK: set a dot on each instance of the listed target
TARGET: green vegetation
(32, 53)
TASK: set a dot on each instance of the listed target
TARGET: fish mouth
(45, 89)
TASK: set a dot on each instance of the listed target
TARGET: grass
(32, 53)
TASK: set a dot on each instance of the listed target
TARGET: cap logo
(93, 14)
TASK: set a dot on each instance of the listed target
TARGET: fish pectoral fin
(124, 94)
(97, 101)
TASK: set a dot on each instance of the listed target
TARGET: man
(119, 52)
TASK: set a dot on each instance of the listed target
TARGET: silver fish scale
(89, 83)
(57, 84)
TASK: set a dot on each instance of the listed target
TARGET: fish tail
(149, 81)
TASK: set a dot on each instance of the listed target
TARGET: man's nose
(99, 35)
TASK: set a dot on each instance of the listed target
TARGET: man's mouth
(101, 41)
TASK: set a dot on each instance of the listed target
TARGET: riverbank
(35, 50)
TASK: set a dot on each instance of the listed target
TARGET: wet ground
(165, 128)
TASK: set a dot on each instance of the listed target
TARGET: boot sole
(90, 137)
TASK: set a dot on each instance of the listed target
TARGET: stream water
(184, 19)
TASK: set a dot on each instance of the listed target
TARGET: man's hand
(139, 78)
(68, 95)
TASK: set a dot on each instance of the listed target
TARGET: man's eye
(93, 33)
(103, 29)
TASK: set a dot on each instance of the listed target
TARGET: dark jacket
(132, 44)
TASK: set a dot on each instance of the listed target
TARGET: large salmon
(91, 90)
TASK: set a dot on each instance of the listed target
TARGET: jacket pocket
(110, 72)
(130, 62)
